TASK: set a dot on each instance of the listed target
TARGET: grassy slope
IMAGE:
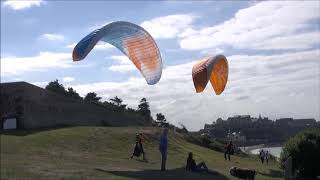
(103, 153)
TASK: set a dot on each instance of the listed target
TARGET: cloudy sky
(273, 50)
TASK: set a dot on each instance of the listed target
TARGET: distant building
(251, 130)
(239, 121)
(236, 137)
(303, 122)
(283, 121)
(219, 121)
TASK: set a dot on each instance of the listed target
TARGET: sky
(272, 47)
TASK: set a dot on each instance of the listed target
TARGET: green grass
(103, 153)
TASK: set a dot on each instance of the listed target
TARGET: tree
(72, 93)
(184, 128)
(304, 149)
(161, 118)
(116, 101)
(144, 108)
(56, 87)
(92, 97)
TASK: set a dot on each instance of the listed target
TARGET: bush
(304, 149)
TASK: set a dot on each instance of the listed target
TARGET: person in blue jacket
(163, 148)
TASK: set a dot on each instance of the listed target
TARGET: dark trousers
(225, 155)
(201, 167)
(163, 160)
(262, 160)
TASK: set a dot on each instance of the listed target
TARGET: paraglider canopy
(213, 68)
(135, 42)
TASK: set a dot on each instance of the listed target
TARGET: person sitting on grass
(192, 166)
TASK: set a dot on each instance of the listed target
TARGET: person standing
(267, 156)
(163, 148)
(228, 151)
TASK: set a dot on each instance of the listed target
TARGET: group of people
(264, 156)
(163, 148)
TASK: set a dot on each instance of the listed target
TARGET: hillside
(103, 153)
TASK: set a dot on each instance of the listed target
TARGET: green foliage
(92, 97)
(184, 128)
(116, 101)
(72, 93)
(161, 118)
(304, 149)
(144, 108)
(55, 86)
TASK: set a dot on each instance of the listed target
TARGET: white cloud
(167, 27)
(68, 79)
(12, 65)
(40, 83)
(103, 46)
(52, 37)
(22, 4)
(212, 52)
(71, 46)
(265, 25)
(121, 59)
(124, 64)
(273, 85)
(99, 46)
(98, 25)
(122, 68)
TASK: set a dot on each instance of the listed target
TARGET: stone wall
(44, 109)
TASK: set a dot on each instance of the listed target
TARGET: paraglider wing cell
(219, 73)
(200, 75)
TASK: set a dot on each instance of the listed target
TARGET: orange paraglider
(213, 68)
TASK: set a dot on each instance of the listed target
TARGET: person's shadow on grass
(171, 174)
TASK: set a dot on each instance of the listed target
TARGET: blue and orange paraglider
(135, 42)
(213, 68)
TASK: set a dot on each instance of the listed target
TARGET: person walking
(163, 148)
(262, 156)
(228, 151)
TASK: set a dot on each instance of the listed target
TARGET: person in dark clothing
(140, 140)
(262, 156)
(138, 149)
(163, 148)
(267, 156)
(228, 151)
(192, 166)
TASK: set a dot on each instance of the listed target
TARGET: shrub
(304, 149)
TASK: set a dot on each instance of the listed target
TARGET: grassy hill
(103, 153)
